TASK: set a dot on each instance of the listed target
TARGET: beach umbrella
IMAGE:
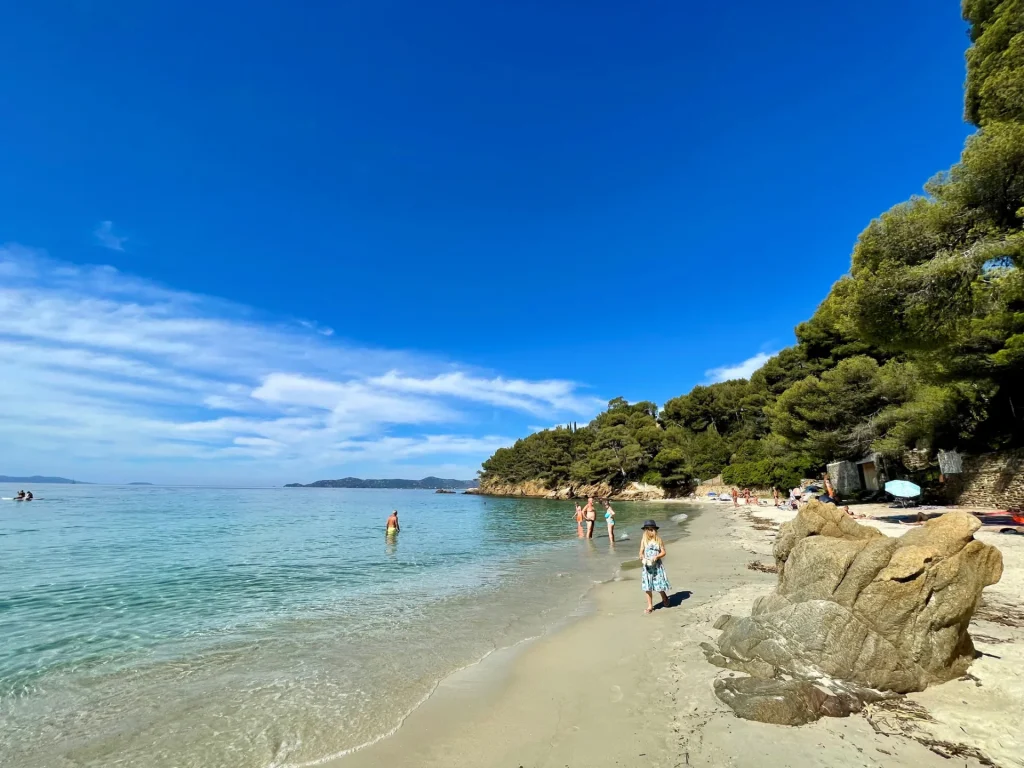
(902, 488)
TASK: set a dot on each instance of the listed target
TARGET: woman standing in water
(652, 575)
(579, 522)
(609, 517)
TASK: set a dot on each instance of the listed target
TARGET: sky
(268, 242)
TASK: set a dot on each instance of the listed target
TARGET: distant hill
(139, 483)
(427, 483)
(40, 480)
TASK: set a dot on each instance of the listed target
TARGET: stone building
(866, 474)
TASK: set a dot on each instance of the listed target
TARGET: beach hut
(869, 469)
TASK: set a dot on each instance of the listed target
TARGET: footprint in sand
(616, 694)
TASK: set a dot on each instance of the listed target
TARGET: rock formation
(537, 489)
(856, 615)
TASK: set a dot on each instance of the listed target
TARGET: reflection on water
(390, 544)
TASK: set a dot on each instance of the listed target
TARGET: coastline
(615, 687)
(533, 489)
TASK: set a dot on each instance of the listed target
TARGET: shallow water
(147, 626)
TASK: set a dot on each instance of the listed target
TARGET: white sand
(622, 689)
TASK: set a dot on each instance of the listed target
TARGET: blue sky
(271, 242)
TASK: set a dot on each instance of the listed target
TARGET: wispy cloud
(738, 370)
(536, 397)
(104, 234)
(100, 365)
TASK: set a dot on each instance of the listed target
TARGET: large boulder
(856, 609)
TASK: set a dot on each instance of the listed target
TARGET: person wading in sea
(590, 516)
(392, 524)
(609, 517)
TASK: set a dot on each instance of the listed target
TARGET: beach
(620, 688)
(249, 630)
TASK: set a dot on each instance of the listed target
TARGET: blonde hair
(650, 534)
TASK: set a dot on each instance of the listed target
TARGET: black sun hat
(650, 524)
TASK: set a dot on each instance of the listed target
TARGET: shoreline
(483, 676)
(479, 696)
(615, 687)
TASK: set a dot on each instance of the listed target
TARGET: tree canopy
(920, 346)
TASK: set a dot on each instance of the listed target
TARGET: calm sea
(158, 627)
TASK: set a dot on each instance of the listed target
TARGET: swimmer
(392, 524)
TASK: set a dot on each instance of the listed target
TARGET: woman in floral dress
(652, 573)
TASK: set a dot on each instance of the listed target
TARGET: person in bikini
(609, 517)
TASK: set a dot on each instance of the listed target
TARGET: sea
(266, 627)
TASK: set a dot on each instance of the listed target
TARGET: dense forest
(919, 347)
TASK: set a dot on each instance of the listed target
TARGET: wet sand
(618, 688)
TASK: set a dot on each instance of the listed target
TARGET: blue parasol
(902, 488)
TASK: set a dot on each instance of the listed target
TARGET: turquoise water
(147, 626)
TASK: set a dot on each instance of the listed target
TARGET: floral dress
(653, 577)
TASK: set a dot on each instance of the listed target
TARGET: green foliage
(920, 346)
(783, 472)
(718, 406)
(825, 417)
(995, 63)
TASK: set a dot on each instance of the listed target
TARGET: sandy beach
(618, 688)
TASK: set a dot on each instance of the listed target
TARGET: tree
(717, 406)
(920, 346)
(825, 417)
(995, 63)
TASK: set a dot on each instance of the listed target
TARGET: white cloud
(105, 236)
(739, 370)
(102, 369)
(536, 397)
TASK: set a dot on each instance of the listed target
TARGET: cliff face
(537, 489)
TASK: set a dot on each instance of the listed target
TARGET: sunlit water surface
(238, 628)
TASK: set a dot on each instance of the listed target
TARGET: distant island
(139, 483)
(427, 483)
(40, 480)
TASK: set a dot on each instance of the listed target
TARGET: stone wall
(991, 480)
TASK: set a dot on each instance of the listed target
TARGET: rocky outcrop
(855, 615)
(640, 492)
(537, 489)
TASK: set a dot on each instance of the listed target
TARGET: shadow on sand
(1004, 522)
(674, 601)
